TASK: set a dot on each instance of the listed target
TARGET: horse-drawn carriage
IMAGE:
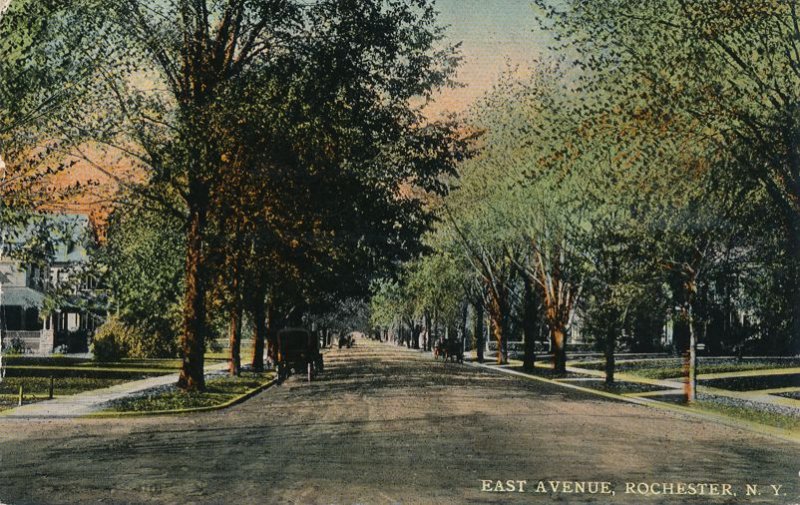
(449, 350)
(298, 351)
(346, 340)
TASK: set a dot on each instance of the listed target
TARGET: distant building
(40, 305)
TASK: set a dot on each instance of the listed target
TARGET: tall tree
(343, 75)
(724, 72)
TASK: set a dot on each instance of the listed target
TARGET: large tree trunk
(498, 312)
(558, 338)
(690, 386)
(478, 330)
(793, 345)
(428, 345)
(435, 330)
(272, 332)
(260, 331)
(610, 347)
(529, 326)
(194, 311)
(235, 339)
(464, 323)
(235, 328)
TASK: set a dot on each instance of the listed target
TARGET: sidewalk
(674, 386)
(641, 399)
(85, 403)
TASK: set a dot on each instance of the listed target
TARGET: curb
(230, 403)
(761, 429)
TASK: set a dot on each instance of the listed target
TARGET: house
(40, 295)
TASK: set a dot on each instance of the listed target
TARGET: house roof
(68, 235)
(72, 236)
(21, 297)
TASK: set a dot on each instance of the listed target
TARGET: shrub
(106, 347)
(111, 339)
(142, 345)
(16, 346)
(117, 339)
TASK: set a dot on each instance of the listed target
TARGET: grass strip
(671, 368)
(84, 369)
(221, 392)
(730, 416)
(749, 414)
(61, 385)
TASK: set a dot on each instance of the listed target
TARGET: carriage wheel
(310, 368)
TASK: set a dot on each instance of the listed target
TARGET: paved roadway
(390, 426)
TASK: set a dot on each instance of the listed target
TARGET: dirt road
(389, 426)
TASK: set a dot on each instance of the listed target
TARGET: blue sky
(493, 32)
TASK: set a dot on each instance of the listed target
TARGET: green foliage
(110, 341)
(719, 80)
(43, 72)
(116, 339)
(438, 283)
(387, 304)
(15, 346)
(234, 115)
(142, 264)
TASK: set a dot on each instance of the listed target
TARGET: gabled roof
(68, 233)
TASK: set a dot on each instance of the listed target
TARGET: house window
(12, 318)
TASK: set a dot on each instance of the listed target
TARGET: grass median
(220, 391)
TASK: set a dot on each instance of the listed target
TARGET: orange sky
(493, 34)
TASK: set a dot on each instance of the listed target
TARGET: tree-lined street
(614, 218)
(386, 425)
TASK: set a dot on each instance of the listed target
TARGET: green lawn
(549, 373)
(755, 383)
(219, 390)
(224, 353)
(74, 375)
(39, 386)
(753, 415)
(671, 368)
(620, 387)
